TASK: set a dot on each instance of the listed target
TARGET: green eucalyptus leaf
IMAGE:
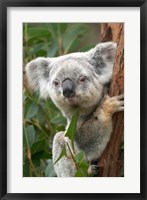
(80, 173)
(82, 164)
(39, 47)
(71, 131)
(49, 171)
(73, 32)
(25, 142)
(27, 105)
(58, 120)
(79, 157)
(38, 146)
(42, 155)
(32, 110)
(26, 169)
(36, 162)
(52, 50)
(53, 29)
(35, 32)
(30, 134)
(63, 153)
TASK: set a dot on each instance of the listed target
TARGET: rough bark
(111, 161)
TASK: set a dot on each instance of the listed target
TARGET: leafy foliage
(79, 160)
(72, 128)
(41, 118)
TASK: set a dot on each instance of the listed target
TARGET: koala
(79, 81)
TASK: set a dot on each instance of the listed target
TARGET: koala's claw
(120, 103)
(120, 97)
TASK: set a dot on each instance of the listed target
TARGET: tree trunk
(111, 161)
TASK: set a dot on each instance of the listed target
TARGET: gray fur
(88, 72)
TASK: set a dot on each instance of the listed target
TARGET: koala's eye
(56, 83)
(82, 79)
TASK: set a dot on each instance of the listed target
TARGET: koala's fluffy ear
(103, 58)
(37, 72)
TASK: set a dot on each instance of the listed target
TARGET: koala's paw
(93, 170)
(117, 103)
(114, 104)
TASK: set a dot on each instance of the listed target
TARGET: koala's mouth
(72, 101)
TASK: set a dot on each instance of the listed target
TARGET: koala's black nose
(68, 88)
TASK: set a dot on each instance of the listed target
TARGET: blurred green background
(41, 119)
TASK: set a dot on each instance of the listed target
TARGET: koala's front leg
(103, 115)
(65, 167)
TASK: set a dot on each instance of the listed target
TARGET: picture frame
(3, 97)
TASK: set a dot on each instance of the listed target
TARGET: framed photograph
(72, 99)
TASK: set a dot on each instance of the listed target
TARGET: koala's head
(75, 80)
